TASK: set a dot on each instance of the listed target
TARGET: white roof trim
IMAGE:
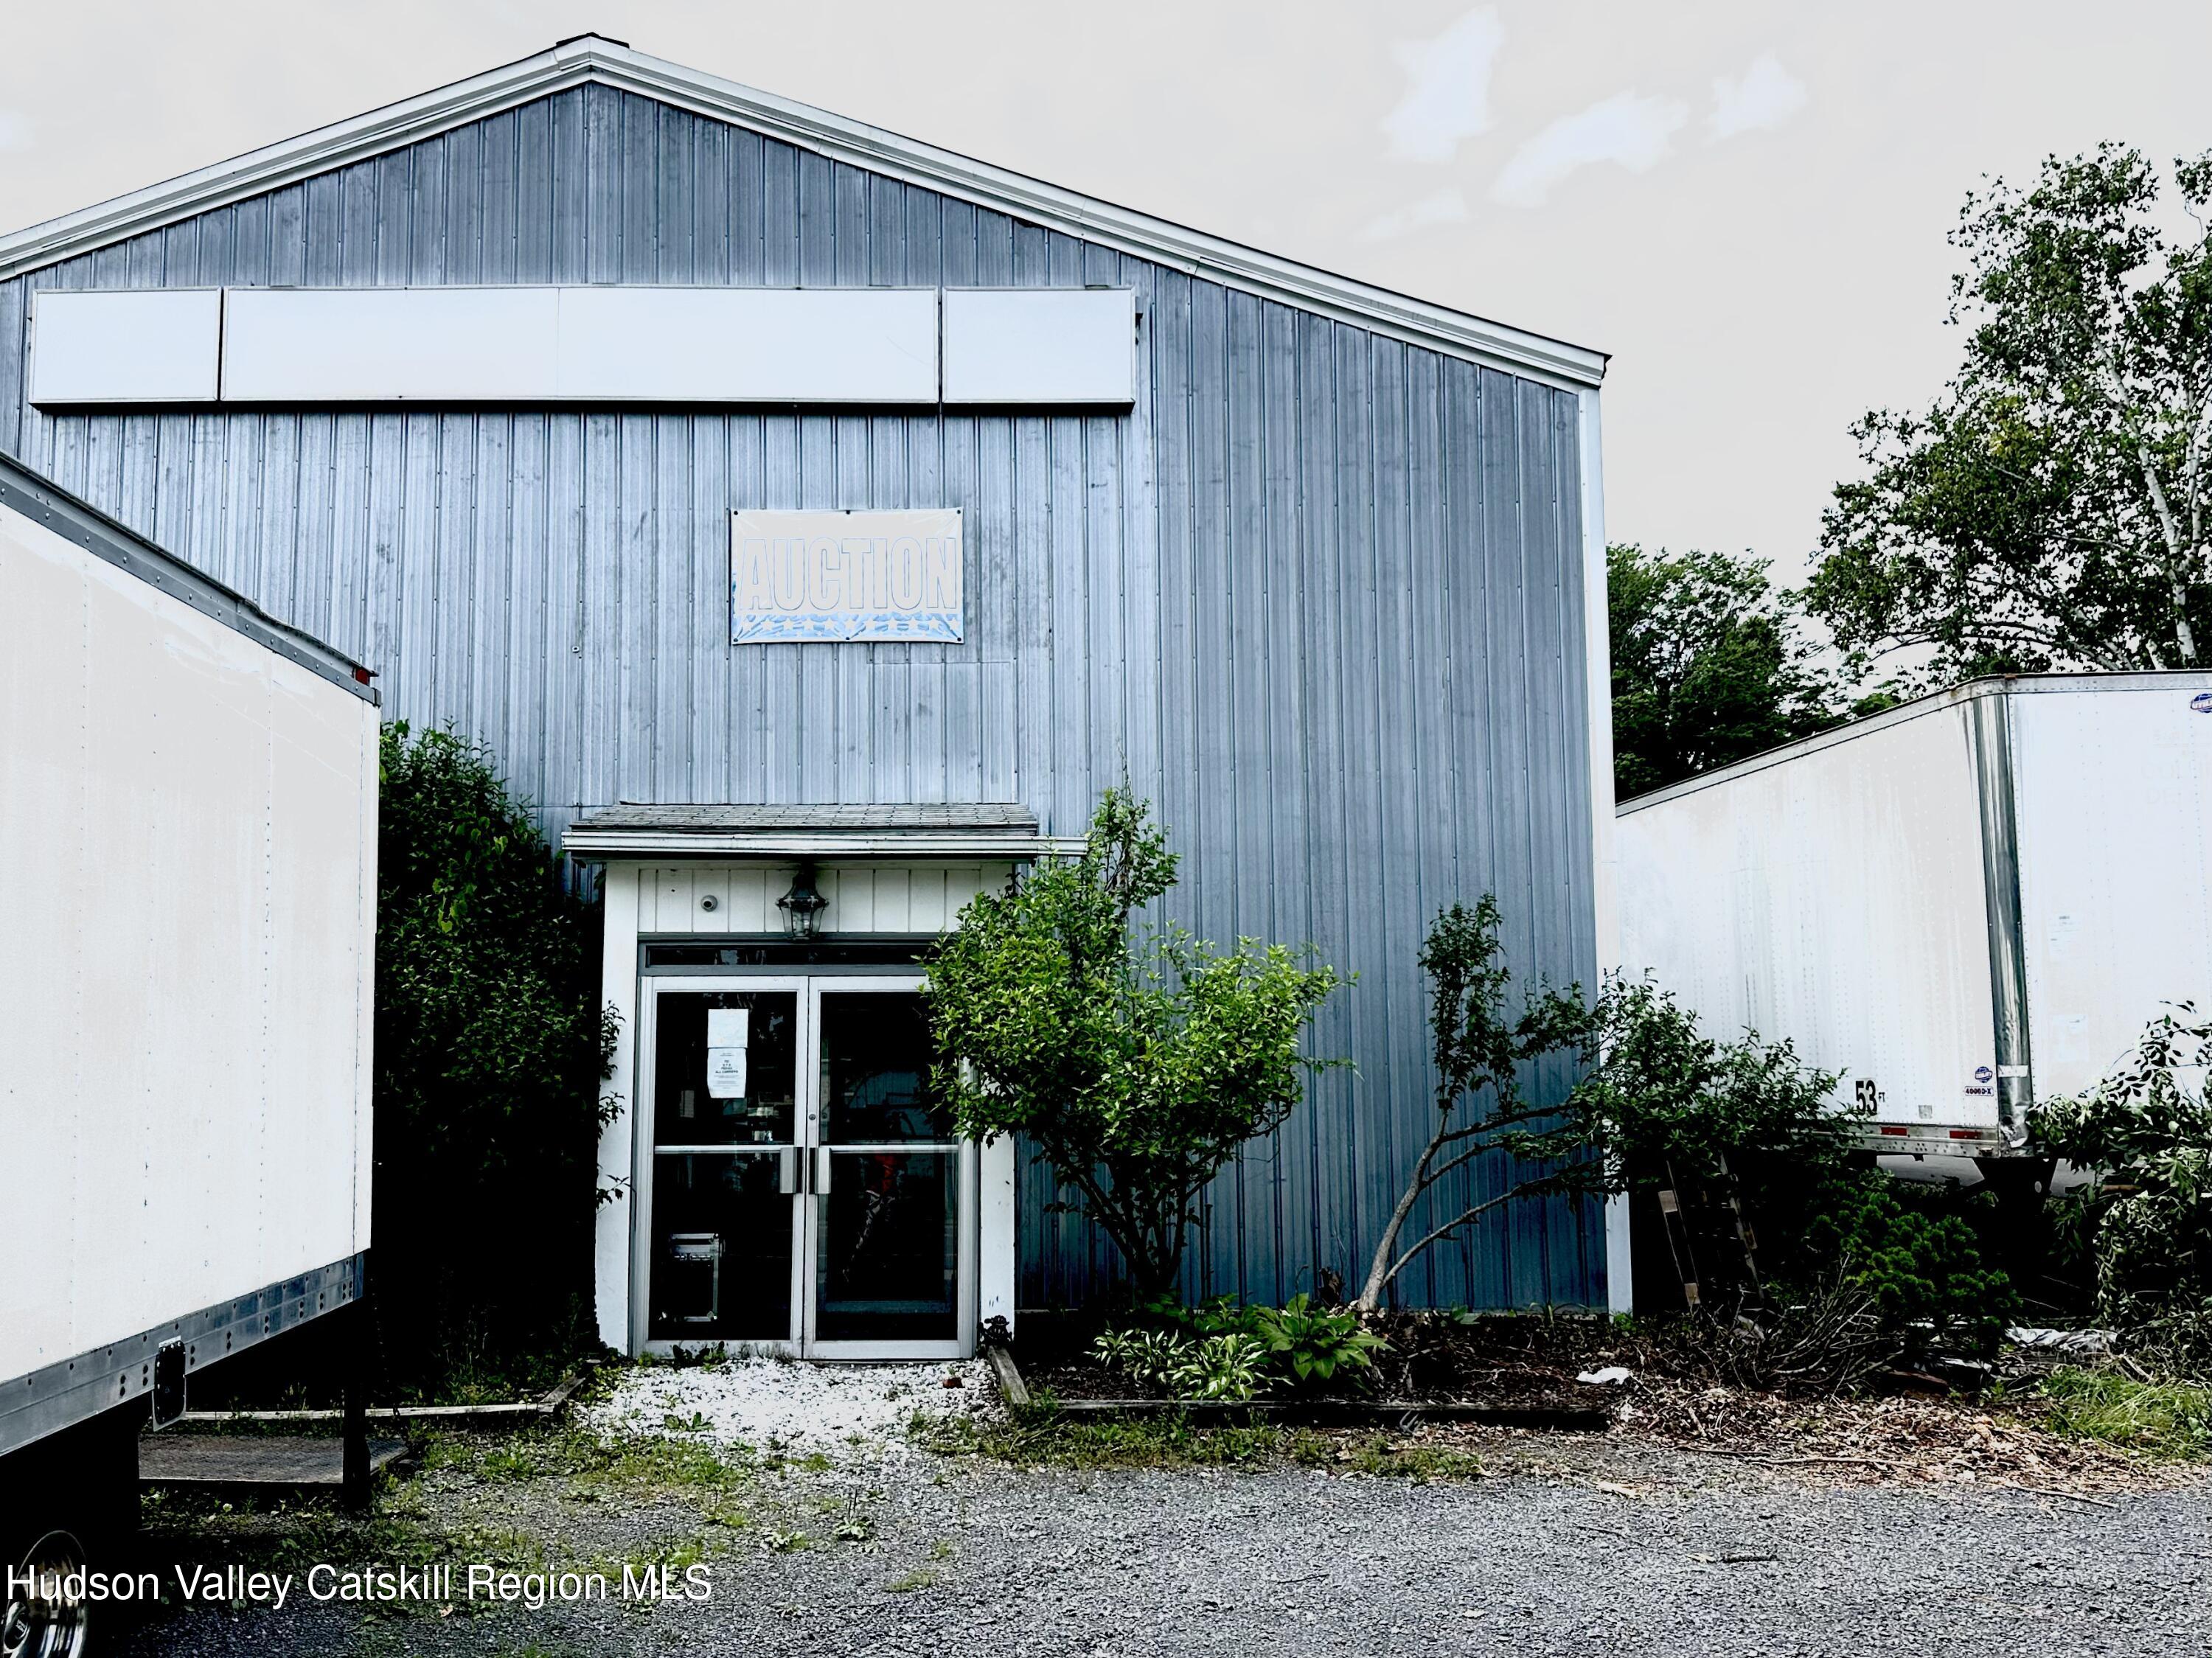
(600, 846)
(591, 58)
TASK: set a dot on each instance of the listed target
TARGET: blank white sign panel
(158, 345)
(749, 345)
(388, 345)
(581, 344)
(1040, 345)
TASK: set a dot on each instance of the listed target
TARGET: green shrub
(1136, 1060)
(2146, 1130)
(491, 1049)
(1922, 1266)
(1315, 1343)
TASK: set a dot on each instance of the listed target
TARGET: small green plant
(1315, 1343)
(1151, 1357)
(910, 1582)
(787, 1542)
(2165, 1420)
(1227, 1369)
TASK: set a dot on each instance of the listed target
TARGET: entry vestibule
(803, 1191)
(784, 1179)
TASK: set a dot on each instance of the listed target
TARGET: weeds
(2166, 1421)
(1042, 1438)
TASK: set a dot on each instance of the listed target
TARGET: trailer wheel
(47, 1614)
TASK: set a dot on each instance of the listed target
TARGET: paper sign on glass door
(728, 1034)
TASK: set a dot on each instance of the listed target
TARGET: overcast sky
(1744, 203)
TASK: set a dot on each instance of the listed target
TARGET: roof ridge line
(589, 58)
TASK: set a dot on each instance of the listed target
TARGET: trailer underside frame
(78, 1389)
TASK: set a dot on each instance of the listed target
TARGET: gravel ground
(1571, 1546)
(846, 1412)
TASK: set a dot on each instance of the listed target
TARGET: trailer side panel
(1834, 898)
(188, 875)
(2113, 787)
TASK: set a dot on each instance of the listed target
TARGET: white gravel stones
(844, 1411)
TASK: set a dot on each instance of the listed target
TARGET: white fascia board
(609, 845)
(1438, 328)
(1598, 667)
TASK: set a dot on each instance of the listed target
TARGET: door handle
(822, 1171)
(787, 1172)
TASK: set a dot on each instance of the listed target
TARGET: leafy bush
(1921, 1269)
(1137, 1065)
(2146, 1130)
(490, 1053)
(1313, 1343)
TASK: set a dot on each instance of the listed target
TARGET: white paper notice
(729, 1031)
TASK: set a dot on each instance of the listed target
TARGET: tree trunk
(1378, 1270)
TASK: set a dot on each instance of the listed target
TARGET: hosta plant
(1312, 1344)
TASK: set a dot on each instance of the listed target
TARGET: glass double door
(806, 1192)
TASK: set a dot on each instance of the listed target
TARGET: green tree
(1136, 1062)
(491, 1048)
(1709, 665)
(2047, 510)
(1480, 1049)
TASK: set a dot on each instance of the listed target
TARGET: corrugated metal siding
(1318, 595)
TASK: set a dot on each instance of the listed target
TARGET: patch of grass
(1044, 1438)
(941, 1549)
(910, 1582)
(2170, 1421)
(788, 1542)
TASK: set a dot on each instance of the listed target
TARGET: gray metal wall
(1318, 596)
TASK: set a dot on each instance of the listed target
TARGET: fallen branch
(2052, 1490)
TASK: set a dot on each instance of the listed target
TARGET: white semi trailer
(187, 894)
(1960, 906)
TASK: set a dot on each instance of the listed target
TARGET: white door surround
(883, 909)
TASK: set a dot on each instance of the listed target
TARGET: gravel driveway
(1571, 1547)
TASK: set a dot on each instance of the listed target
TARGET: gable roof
(592, 58)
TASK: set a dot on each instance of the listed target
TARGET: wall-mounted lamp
(802, 906)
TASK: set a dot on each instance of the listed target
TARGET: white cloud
(1766, 96)
(14, 130)
(1445, 207)
(1626, 129)
(1446, 95)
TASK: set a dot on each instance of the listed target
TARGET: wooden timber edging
(517, 1413)
(1316, 1412)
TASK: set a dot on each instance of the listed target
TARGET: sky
(1745, 202)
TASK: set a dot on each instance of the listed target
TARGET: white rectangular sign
(156, 346)
(729, 1035)
(846, 576)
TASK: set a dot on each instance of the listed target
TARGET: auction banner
(851, 576)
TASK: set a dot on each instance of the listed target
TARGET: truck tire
(49, 1619)
(67, 1502)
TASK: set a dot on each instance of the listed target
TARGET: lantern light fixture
(802, 906)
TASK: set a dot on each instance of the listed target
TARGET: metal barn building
(814, 521)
